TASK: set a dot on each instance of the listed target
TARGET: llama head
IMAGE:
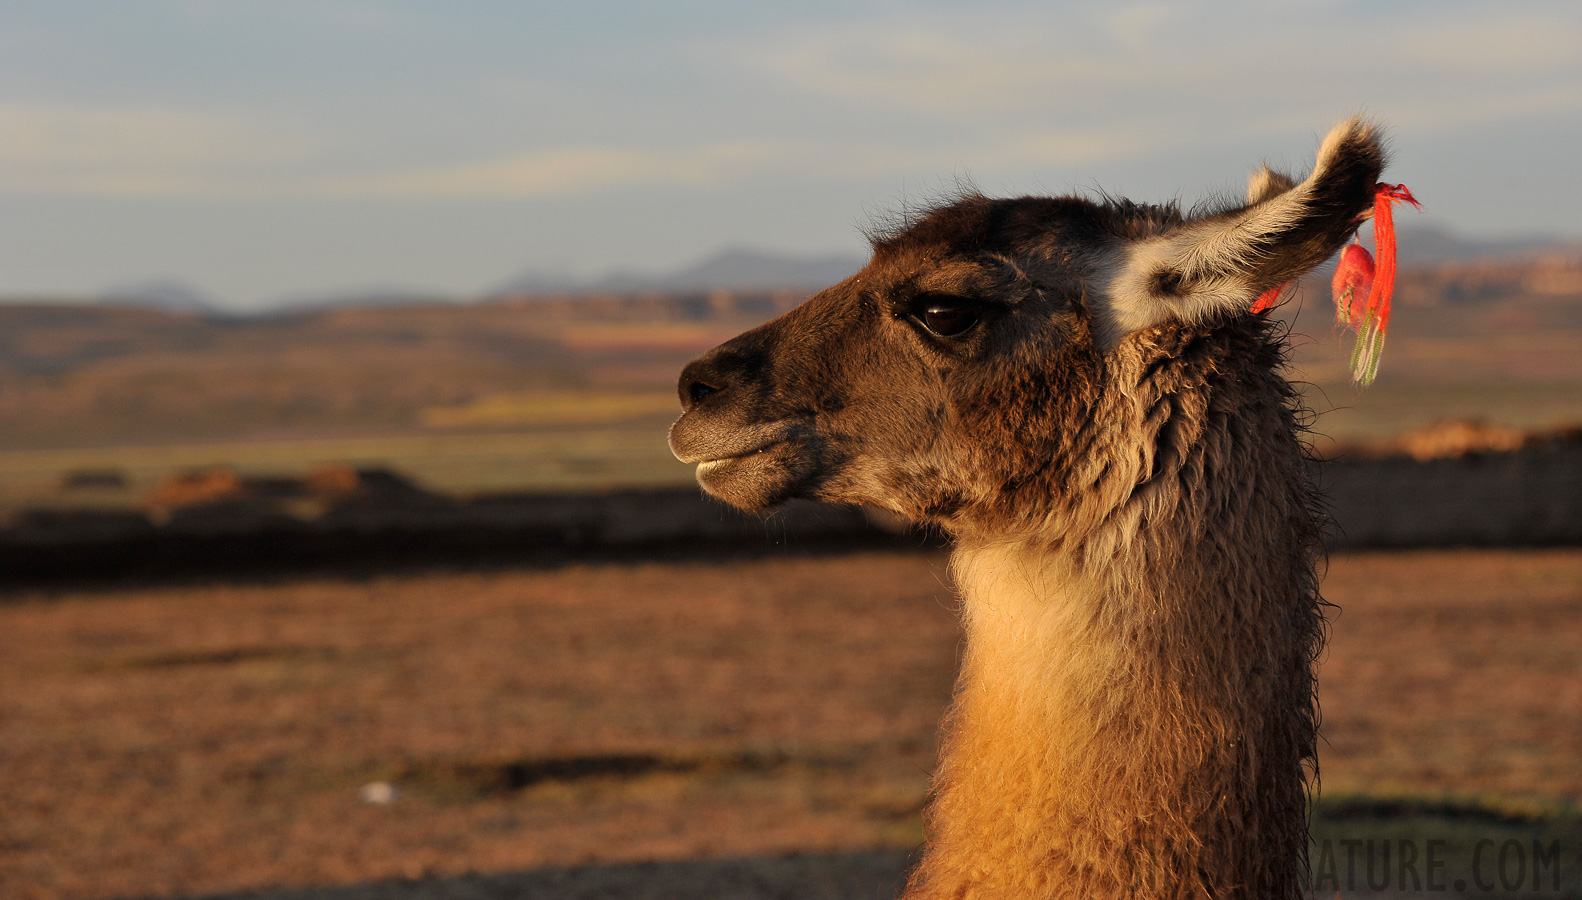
(975, 342)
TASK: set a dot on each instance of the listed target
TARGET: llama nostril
(697, 390)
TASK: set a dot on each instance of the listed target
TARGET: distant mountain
(365, 297)
(1427, 245)
(744, 269)
(170, 296)
(733, 268)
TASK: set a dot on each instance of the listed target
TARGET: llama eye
(948, 318)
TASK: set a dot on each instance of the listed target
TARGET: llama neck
(1134, 715)
(1091, 754)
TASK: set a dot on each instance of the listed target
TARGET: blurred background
(340, 546)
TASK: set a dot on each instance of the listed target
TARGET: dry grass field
(179, 740)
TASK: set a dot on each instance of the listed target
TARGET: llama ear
(1265, 184)
(1220, 263)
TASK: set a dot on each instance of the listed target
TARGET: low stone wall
(533, 529)
(1530, 496)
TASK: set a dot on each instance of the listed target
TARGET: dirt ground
(198, 739)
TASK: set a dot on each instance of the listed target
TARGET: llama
(1077, 393)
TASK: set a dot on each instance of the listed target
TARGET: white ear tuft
(1265, 184)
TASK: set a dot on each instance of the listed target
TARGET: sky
(269, 151)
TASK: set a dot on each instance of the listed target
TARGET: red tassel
(1357, 273)
(1352, 284)
(1384, 239)
(1267, 299)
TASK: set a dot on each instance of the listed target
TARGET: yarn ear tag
(1362, 288)
(1267, 300)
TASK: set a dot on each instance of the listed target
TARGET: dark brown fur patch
(1165, 283)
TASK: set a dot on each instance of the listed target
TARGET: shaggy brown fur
(1075, 391)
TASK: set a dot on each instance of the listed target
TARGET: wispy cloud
(567, 171)
(1180, 72)
(936, 71)
(135, 150)
(562, 171)
(1514, 44)
(164, 153)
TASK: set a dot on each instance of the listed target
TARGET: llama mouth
(695, 441)
(751, 467)
(709, 465)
